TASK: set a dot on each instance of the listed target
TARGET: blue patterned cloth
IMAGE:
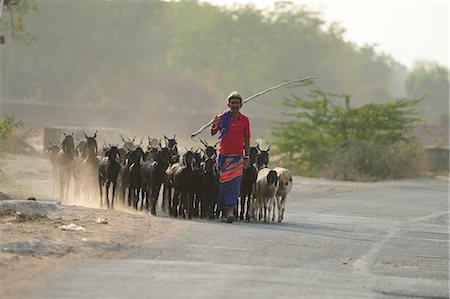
(231, 168)
(224, 123)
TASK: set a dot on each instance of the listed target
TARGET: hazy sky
(407, 30)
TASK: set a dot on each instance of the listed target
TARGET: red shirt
(233, 142)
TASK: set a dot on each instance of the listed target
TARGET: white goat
(266, 188)
(284, 187)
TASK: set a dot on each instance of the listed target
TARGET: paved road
(338, 240)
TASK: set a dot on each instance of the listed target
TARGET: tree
(14, 23)
(430, 81)
(7, 125)
(329, 137)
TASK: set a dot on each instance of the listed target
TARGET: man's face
(235, 104)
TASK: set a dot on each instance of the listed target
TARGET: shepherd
(234, 136)
(234, 149)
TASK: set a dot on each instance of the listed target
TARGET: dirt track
(31, 236)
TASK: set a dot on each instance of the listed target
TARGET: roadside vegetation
(328, 137)
(7, 126)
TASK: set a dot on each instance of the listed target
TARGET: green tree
(7, 125)
(430, 81)
(326, 136)
(161, 54)
(13, 20)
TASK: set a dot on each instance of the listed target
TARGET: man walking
(234, 148)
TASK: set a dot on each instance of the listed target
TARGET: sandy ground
(33, 236)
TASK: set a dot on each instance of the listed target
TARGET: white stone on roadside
(72, 227)
(102, 220)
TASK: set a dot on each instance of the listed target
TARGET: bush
(7, 126)
(338, 141)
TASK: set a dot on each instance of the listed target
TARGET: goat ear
(95, 134)
(174, 136)
(64, 133)
(133, 139)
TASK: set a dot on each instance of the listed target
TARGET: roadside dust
(32, 240)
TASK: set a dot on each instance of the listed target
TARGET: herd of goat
(190, 181)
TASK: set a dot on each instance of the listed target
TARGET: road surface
(338, 240)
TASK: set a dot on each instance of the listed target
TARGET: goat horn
(204, 142)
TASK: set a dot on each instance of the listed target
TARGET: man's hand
(215, 125)
(216, 121)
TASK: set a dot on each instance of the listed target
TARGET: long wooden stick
(251, 98)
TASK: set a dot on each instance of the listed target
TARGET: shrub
(7, 126)
(329, 139)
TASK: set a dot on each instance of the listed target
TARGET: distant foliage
(430, 81)
(333, 139)
(7, 126)
(13, 22)
(181, 55)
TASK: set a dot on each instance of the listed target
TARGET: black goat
(262, 159)
(209, 150)
(89, 167)
(158, 177)
(196, 182)
(171, 144)
(53, 150)
(247, 184)
(64, 160)
(179, 177)
(209, 187)
(109, 169)
(135, 191)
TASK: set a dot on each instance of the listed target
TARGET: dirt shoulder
(38, 236)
